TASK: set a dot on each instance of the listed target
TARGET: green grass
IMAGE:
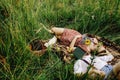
(20, 22)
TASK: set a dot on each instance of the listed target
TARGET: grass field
(21, 21)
